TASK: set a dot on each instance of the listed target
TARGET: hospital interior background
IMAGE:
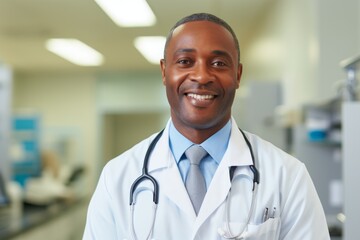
(60, 122)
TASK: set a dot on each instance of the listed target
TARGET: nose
(202, 73)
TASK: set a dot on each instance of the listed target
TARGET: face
(201, 74)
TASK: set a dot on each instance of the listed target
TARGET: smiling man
(201, 72)
(202, 177)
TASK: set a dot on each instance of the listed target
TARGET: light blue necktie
(195, 182)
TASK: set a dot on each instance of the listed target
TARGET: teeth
(200, 97)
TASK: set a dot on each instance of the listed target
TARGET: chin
(202, 123)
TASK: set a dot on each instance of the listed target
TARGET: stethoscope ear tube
(252, 167)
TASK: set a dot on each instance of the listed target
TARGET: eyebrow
(215, 52)
(185, 50)
(221, 53)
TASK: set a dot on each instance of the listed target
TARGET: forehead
(204, 34)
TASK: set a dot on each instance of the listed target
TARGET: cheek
(230, 83)
(174, 80)
(172, 85)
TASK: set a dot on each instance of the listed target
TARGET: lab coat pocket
(269, 230)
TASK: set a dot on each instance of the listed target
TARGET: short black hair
(203, 17)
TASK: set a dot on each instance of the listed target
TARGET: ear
(162, 66)
(239, 73)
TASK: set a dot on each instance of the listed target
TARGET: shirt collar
(215, 145)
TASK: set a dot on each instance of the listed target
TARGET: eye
(219, 63)
(184, 61)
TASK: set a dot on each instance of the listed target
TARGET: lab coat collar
(238, 152)
(159, 158)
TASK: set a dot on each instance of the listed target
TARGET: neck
(198, 135)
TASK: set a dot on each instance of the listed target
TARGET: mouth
(202, 100)
(200, 97)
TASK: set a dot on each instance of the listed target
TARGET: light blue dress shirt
(215, 145)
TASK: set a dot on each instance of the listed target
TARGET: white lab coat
(285, 186)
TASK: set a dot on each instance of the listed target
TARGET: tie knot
(195, 154)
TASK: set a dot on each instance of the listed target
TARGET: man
(201, 71)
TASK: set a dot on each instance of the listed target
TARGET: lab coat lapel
(237, 154)
(174, 189)
(216, 194)
(163, 167)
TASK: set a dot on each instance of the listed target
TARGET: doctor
(201, 72)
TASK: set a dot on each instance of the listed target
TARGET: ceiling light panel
(128, 13)
(75, 51)
(152, 48)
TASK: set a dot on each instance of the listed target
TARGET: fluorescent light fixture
(152, 48)
(128, 13)
(75, 51)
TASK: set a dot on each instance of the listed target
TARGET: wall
(130, 91)
(338, 26)
(301, 43)
(124, 130)
(120, 96)
(285, 50)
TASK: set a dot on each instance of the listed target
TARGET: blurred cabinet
(5, 119)
(351, 167)
(26, 160)
(323, 122)
(351, 146)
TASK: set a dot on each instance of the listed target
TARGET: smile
(200, 97)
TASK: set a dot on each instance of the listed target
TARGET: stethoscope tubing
(146, 176)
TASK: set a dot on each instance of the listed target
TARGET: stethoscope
(226, 232)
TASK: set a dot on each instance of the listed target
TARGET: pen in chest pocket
(267, 214)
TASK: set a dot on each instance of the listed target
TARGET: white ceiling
(26, 24)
